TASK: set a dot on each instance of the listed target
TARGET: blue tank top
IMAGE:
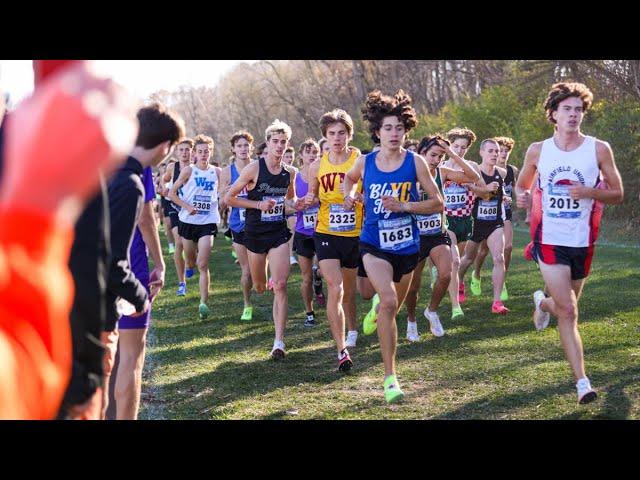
(236, 219)
(393, 232)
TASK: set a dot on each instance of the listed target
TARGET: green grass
(485, 367)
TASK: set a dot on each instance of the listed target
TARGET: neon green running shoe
(234, 254)
(369, 324)
(434, 275)
(504, 295)
(392, 392)
(476, 283)
(203, 310)
(457, 313)
(247, 313)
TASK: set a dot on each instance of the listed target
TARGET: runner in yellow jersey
(337, 231)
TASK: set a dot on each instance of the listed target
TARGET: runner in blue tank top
(241, 146)
(389, 241)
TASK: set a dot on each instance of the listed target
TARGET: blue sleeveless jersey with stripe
(393, 232)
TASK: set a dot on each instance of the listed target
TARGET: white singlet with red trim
(567, 222)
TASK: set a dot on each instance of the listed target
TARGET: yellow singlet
(332, 219)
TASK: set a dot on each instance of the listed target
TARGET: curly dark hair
(507, 142)
(563, 90)
(378, 106)
(463, 132)
(429, 141)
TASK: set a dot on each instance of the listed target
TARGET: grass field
(485, 367)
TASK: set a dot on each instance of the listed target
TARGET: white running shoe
(352, 338)
(412, 331)
(278, 352)
(586, 394)
(540, 318)
(292, 260)
(434, 322)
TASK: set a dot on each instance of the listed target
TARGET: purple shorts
(140, 267)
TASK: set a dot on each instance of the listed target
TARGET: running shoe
(203, 310)
(499, 308)
(234, 254)
(461, 297)
(182, 289)
(476, 287)
(277, 352)
(247, 313)
(369, 324)
(504, 296)
(344, 361)
(457, 313)
(292, 260)
(586, 394)
(172, 249)
(352, 338)
(392, 392)
(412, 331)
(310, 321)
(540, 318)
(434, 322)
(188, 273)
(321, 300)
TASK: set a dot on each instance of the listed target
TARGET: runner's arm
(225, 178)
(311, 197)
(434, 202)
(247, 176)
(614, 193)
(168, 174)
(527, 175)
(173, 193)
(350, 182)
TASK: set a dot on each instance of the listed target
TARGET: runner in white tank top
(199, 214)
(566, 206)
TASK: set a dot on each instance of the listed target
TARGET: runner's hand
(146, 307)
(391, 204)
(349, 203)
(578, 191)
(266, 205)
(191, 209)
(523, 200)
(309, 199)
(156, 282)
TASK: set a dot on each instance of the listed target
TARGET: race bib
(275, 214)
(559, 204)
(310, 218)
(395, 234)
(242, 213)
(455, 196)
(202, 204)
(488, 210)
(341, 220)
(429, 224)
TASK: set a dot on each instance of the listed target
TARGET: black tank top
(176, 174)
(490, 210)
(257, 222)
(508, 184)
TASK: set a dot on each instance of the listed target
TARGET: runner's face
(242, 149)
(391, 133)
(569, 115)
(203, 153)
(309, 155)
(460, 146)
(288, 158)
(504, 156)
(183, 152)
(433, 156)
(489, 153)
(277, 144)
(337, 137)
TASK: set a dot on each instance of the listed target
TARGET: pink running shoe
(499, 308)
(461, 297)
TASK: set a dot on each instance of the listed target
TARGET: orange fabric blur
(36, 291)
